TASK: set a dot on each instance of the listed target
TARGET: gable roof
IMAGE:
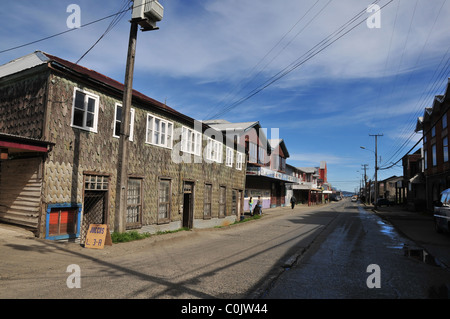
(274, 142)
(437, 104)
(58, 64)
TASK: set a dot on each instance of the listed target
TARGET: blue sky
(210, 54)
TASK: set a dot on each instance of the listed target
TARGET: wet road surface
(338, 264)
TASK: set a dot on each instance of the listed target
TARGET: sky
(328, 74)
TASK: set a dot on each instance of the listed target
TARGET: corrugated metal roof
(38, 58)
(23, 63)
(307, 169)
(222, 125)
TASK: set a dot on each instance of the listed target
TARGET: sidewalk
(419, 227)
(9, 232)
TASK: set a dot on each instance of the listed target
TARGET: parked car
(442, 212)
(354, 198)
(383, 202)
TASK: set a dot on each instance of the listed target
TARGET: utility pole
(147, 20)
(122, 165)
(376, 168)
(365, 182)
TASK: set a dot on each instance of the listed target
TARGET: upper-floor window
(433, 131)
(282, 164)
(229, 157)
(159, 131)
(239, 160)
(261, 155)
(118, 121)
(275, 162)
(433, 154)
(444, 121)
(191, 141)
(445, 148)
(214, 150)
(85, 110)
(252, 152)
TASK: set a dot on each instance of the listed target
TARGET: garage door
(20, 191)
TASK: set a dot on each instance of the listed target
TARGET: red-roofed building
(59, 142)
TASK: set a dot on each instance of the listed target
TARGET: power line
(113, 23)
(425, 133)
(409, 127)
(272, 49)
(322, 45)
(63, 32)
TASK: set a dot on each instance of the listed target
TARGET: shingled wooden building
(59, 128)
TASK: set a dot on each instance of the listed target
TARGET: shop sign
(98, 236)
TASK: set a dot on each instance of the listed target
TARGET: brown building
(413, 185)
(266, 162)
(434, 127)
(59, 141)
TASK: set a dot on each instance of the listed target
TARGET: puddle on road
(412, 252)
(417, 253)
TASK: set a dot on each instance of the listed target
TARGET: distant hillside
(344, 193)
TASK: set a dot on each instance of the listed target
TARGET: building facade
(436, 166)
(266, 175)
(181, 173)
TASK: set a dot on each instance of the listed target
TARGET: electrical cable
(112, 24)
(409, 127)
(322, 45)
(268, 53)
(63, 32)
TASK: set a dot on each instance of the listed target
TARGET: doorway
(95, 202)
(188, 204)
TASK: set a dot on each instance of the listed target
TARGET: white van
(442, 212)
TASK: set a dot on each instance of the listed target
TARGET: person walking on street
(259, 204)
(293, 200)
(250, 204)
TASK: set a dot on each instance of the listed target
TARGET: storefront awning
(265, 172)
(11, 144)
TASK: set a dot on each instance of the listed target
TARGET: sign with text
(98, 236)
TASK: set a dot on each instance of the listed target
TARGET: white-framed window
(275, 162)
(159, 131)
(118, 121)
(191, 141)
(229, 157)
(261, 155)
(85, 110)
(239, 160)
(214, 150)
(252, 153)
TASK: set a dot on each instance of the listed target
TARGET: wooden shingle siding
(22, 107)
(20, 191)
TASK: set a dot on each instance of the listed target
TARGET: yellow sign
(98, 236)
